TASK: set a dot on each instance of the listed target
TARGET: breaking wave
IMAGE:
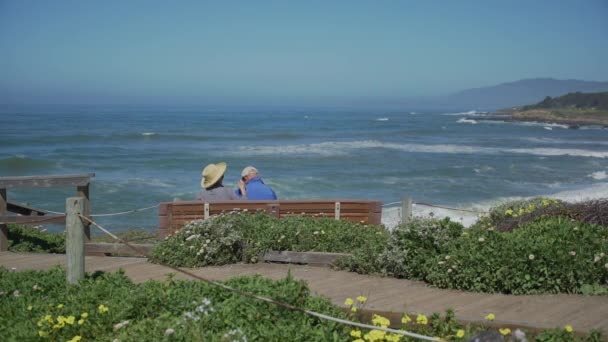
(344, 148)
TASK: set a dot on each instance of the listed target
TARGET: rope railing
(266, 299)
(438, 206)
(48, 218)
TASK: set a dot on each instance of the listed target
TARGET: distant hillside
(519, 93)
(576, 100)
(573, 109)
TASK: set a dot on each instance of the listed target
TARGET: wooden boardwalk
(385, 294)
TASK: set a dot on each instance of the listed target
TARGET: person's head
(213, 175)
(248, 173)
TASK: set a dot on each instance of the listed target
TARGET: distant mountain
(518, 93)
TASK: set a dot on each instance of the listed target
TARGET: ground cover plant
(237, 237)
(38, 306)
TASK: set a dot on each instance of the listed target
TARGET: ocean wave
(344, 148)
(555, 141)
(382, 119)
(552, 152)
(540, 124)
(599, 175)
(465, 120)
(469, 113)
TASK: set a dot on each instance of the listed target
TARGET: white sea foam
(382, 119)
(413, 113)
(599, 175)
(469, 113)
(331, 148)
(559, 152)
(540, 124)
(548, 128)
(146, 134)
(463, 120)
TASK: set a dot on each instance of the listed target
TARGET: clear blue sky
(173, 51)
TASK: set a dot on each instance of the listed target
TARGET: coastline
(547, 117)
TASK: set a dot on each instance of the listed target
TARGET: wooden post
(3, 227)
(406, 209)
(83, 192)
(74, 244)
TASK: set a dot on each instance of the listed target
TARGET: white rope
(125, 212)
(393, 203)
(272, 301)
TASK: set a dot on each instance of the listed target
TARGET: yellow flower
(421, 319)
(381, 321)
(84, 315)
(406, 319)
(375, 335)
(70, 320)
(102, 308)
(545, 202)
(353, 309)
(531, 207)
(29, 308)
(355, 333)
(465, 234)
(505, 331)
(362, 299)
(509, 212)
(358, 340)
(80, 321)
(61, 319)
(75, 338)
(569, 328)
(490, 317)
(460, 333)
(348, 301)
(59, 306)
(48, 318)
(42, 333)
(521, 211)
(393, 337)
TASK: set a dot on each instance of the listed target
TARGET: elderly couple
(250, 185)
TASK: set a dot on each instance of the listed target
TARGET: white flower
(596, 259)
(602, 254)
(315, 233)
(519, 335)
(120, 325)
(16, 293)
(449, 270)
(573, 253)
(322, 232)
(169, 332)
(481, 239)
(531, 256)
(606, 266)
(447, 257)
(207, 241)
(575, 228)
(441, 262)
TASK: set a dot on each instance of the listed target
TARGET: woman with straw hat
(213, 175)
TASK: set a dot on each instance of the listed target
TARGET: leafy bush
(412, 244)
(510, 215)
(33, 239)
(38, 305)
(237, 237)
(549, 255)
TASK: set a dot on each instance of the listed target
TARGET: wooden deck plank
(384, 294)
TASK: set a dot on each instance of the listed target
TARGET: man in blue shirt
(252, 187)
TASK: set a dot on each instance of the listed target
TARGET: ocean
(143, 155)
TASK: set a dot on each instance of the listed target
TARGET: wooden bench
(174, 215)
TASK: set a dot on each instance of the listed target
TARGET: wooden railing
(80, 181)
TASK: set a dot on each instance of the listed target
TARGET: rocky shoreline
(543, 117)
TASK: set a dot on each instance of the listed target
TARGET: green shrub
(510, 215)
(34, 304)
(548, 255)
(238, 237)
(411, 245)
(32, 239)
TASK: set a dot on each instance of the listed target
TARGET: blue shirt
(257, 190)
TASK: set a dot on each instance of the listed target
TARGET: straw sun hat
(212, 173)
